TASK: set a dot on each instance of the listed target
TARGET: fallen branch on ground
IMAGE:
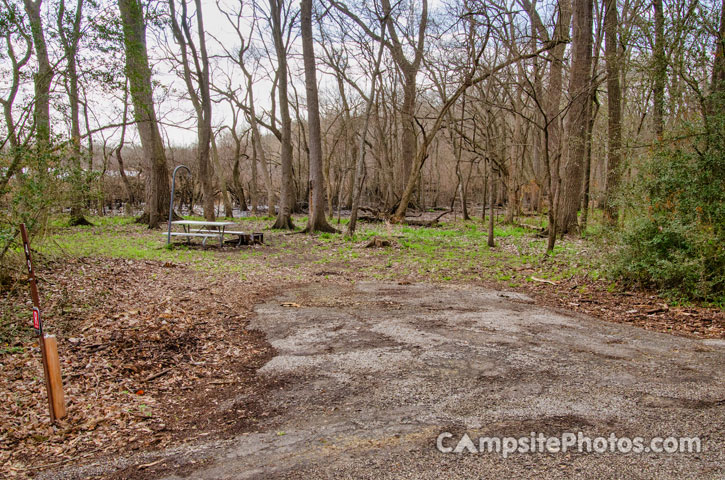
(156, 375)
(378, 243)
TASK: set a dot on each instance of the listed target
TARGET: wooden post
(38, 325)
(54, 378)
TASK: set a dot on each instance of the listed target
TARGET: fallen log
(425, 223)
(381, 217)
(370, 219)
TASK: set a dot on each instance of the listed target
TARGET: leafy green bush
(674, 238)
(26, 196)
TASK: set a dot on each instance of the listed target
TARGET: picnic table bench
(206, 230)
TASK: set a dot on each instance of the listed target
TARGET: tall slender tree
(359, 172)
(195, 67)
(614, 106)
(316, 219)
(401, 46)
(139, 78)
(554, 92)
(69, 32)
(286, 197)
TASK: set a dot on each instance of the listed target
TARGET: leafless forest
(441, 216)
(278, 107)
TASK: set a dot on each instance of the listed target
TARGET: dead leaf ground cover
(154, 344)
(147, 350)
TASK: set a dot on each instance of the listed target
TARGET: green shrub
(674, 238)
(26, 197)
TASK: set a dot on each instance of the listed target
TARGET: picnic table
(206, 230)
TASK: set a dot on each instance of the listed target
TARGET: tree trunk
(408, 141)
(349, 147)
(316, 220)
(577, 119)
(205, 128)
(199, 94)
(258, 149)
(554, 93)
(139, 76)
(239, 189)
(553, 181)
(491, 202)
(43, 76)
(236, 174)
(360, 161)
(409, 69)
(484, 196)
(458, 151)
(660, 70)
(614, 106)
(228, 211)
(205, 172)
(512, 200)
(254, 189)
(284, 216)
(593, 110)
(69, 39)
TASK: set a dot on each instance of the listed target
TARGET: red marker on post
(36, 321)
(48, 344)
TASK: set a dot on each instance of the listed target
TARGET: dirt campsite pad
(367, 375)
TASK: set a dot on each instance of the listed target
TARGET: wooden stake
(39, 328)
(55, 381)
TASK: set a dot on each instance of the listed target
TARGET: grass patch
(453, 252)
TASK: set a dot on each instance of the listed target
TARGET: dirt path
(370, 374)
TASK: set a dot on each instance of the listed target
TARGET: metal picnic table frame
(204, 229)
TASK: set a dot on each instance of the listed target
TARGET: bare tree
(359, 172)
(119, 157)
(258, 152)
(316, 220)
(409, 68)
(555, 85)
(470, 78)
(16, 30)
(228, 210)
(246, 102)
(239, 139)
(284, 215)
(69, 39)
(199, 94)
(139, 78)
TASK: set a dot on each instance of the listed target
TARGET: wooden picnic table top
(201, 223)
